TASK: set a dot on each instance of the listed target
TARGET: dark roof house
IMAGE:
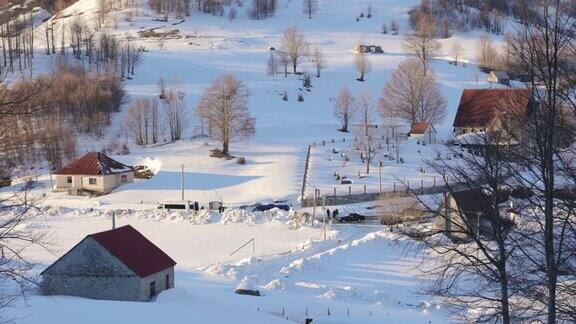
(470, 211)
(119, 264)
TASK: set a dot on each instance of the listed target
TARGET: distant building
(119, 264)
(501, 77)
(368, 49)
(469, 212)
(423, 131)
(481, 110)
(93, 173)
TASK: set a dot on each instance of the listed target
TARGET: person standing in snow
(328, 213)
(335, 213)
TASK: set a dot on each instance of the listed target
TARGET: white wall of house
(94, 183)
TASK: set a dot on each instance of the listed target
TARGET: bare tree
(345, 108)
(362, 64)
(284, 62)
(101, 17)
(224, 104)
(137, 120)
(414, 95)
(174, 111)
(366, 111)
(309, 7)
(368, 145)
(476, 267)
(395, 27)
(456, 51)
(272, 65)
(319, 60)
(538, 48)
(294, 44)
(422, 43)
(488, 57)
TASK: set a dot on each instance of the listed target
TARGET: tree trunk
(225, 149)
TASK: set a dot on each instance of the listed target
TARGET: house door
(152, 289)
(167, 281)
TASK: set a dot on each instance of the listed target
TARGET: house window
(68, 179)
(92, 181)
(123, 178)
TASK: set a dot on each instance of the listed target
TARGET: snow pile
(234, 271)
(322, 261)
(154, 165)
(248, 217)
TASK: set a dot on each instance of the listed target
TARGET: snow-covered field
(358, 275)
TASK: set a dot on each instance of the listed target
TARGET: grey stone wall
(90, 271)
(160, 282)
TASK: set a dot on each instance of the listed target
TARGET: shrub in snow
(285, 96)
(241, 160)
(124, 150)
(300, 97)
(245, 287)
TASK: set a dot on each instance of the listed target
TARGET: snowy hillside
(357, 275)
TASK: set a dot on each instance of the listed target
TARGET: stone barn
(119, 264)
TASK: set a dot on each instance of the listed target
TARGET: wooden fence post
(364, 189)
(334, 191)
(349, 190)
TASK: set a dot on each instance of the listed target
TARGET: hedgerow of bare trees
(224, 104)
(17, 105)
(180, 8)
(413, 95)
(345, 108)
(294, 44)
(262, 9)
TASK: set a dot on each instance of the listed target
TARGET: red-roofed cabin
(482, 109)
(119, 264)
(95, 172)
(423, 131)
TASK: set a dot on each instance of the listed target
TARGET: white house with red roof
(95, 172)
(423, 131)
(119, 264)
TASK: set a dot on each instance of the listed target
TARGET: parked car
(271, 206)
(353, 217)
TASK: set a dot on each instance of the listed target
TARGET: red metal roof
(93, 163)
(134, 250)
(418, 128)
(480, 107)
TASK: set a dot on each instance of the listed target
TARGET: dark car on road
(353, 217)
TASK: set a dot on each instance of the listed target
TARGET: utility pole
(324, 213)
(380, 175)
(182, 182)
(314, 208)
